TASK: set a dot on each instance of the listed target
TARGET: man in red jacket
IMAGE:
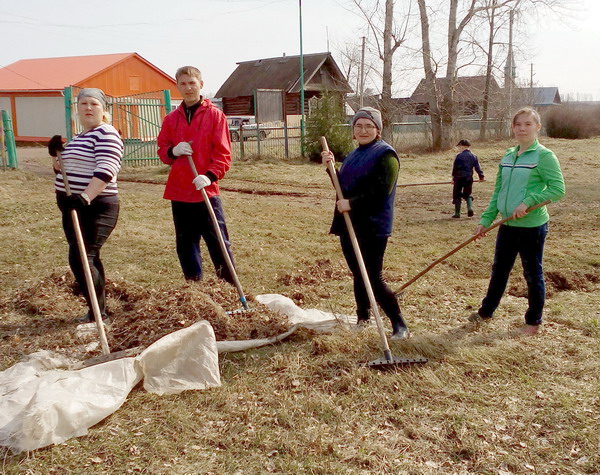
(198, 129)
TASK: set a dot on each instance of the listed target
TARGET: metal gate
(137, 117)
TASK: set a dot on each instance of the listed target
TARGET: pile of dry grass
(140, 316)
(319, 272)
(309, 283)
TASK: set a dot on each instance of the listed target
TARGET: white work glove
(182, 148)
(201, 181)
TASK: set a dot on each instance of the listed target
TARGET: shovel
(388, 361)
(460, 246)
(215, 222)
(84, 262)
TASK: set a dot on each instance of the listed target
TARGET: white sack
(49, 407)
(40, 405)
(186, 359)
(312, 318)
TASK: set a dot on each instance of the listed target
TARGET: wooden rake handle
(220, 238)
(85, 263)
(359, 258)
(460, 246)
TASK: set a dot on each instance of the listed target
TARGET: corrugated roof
(56, 73)
(282, 73)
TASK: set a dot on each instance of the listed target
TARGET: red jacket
(209, 136)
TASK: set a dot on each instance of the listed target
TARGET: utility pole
(301, 85)
(509, 68)
(362, 73)
(531, 77)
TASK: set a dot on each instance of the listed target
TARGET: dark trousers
(97, 222)
(192, 222)
(463, 187)
(529, 244)
(372, 249)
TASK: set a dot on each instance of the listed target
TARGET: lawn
(486, 402)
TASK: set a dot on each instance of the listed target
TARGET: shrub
(569, 122)
(329, 120)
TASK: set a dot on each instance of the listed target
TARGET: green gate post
(167, 95)
(68, 93)
(9, 138)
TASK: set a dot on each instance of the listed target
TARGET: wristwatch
(86, 198)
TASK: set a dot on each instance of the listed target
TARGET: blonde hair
(189, 71)
(106, 117)
(527, 111)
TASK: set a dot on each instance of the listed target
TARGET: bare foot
(529, 329)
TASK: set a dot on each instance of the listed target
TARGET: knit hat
(368, 113)
(93, 92)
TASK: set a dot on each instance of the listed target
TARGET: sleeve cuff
(170, 153)
(211, 176)
(529, 202)
(105, 177)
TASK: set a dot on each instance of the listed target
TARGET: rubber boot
(456, 210)
(470, 207)
(399, 329)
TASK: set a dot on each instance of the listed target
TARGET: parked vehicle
(248, 126)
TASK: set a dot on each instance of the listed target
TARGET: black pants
(463, 187)
(192, 222)
(529, 244)
(372, 249)
(97, 222)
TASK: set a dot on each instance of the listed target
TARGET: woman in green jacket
(528, 174)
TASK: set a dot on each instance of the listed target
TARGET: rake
(460, 246)
(215, 222)
(84, 262)
(388, 361)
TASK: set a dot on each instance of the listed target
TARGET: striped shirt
(95, 153)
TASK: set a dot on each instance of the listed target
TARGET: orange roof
(56, 73)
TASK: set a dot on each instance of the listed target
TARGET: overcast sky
(215, 34)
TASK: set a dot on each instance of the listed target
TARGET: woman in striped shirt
(92, 161)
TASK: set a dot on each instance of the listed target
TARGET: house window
(134, 83)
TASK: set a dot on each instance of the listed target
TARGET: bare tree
(443, 98)
(387, 37)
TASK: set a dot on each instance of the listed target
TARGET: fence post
(241, 139)
(167, 96)
(2, 149)
(68, 93)
(9, 137)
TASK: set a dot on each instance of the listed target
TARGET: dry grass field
(487, 401)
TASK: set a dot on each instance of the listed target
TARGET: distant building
(321, 73)
(32, 89)
(468, 94)
(539, 97)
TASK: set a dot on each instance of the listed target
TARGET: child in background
(462, 177)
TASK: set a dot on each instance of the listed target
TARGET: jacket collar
(533, 146)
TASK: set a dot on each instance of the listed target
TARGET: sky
(216, 34)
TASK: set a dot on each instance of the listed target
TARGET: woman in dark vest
(368, 180)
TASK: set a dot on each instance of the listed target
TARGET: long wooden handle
(358, 254)
(85, 263)
(220, 238)
(460, 246)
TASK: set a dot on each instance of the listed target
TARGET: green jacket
(531, 178)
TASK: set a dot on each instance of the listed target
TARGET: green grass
(487, 401)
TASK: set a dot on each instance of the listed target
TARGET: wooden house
(31, 90)
(321, 73)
